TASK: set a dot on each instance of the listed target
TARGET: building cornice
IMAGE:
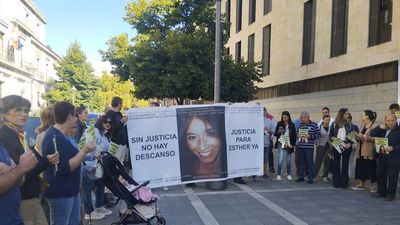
(35, 10)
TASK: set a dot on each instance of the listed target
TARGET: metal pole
(217, 75)
(217, 185)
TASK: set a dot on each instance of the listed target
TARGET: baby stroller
(137, 211)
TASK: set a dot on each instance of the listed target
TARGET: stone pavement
(271, 202)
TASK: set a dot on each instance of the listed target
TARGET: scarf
(19, 131)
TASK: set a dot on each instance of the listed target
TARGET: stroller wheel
(161, 221)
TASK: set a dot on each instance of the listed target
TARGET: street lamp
(73, 95)
(217, 185)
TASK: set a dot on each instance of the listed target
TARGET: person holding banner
(202, 146)
(285, 129)
(64, 179)
(90, 181)
(388, 161)
(340, 129)
(15, 141)
(365, 161)
(324, 150)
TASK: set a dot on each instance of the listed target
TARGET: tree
(111, 86)
(173, 53)
(74, 71)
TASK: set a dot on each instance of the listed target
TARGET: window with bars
(309, 32)
(250, 49)
(252, 11)
(380, 21)
(266, 48)
(340, 9)
(239, 7)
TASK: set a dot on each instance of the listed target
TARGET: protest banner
(186, 144)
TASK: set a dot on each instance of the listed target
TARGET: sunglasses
(107, 121)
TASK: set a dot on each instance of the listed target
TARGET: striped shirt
(313, 134)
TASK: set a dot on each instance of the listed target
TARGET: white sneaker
(289, 177)
(325, 180)
(279, 177)
(94, 216)
(165, 188)
(104, 211)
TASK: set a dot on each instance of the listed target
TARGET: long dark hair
(340, 121)
(286, 113)
(184, 118)
(99, 125)
(371, 115)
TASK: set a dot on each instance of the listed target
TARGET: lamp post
(217, 185)
(73, 95)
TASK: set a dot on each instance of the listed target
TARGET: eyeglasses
(22, 111)
(107, 121)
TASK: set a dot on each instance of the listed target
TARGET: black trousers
(341, 172)
(387, 176)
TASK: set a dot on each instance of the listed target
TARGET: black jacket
(292, 133)
(349, 127)
(394, 141)
(31, 187)
(118, 130)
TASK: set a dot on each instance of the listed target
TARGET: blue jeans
(282, 154)
(65, 211)
(87, 187)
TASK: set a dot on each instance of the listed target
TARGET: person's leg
(309, 159)
(393, 174)
(280, 161)
(327, 163)
(345, 169)
(336, 168)
(75, 217)
(301, 159)
(31, 212)
(288, 163)
(319, 156)
(381, 177)
(266, 158)
(271, 159)
(87, 187)
(99, 192)
(60, 210)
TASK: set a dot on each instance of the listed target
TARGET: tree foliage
(173, 53)
(76, 80)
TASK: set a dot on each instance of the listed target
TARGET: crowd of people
(46, 183)
(315, 147)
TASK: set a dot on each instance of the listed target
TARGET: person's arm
(13, 176)
(75, 161)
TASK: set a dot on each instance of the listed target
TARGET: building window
(252, 11)
(228, 51)
(340, 11)
(239, 15)
(267, 6)
(228, 14)
(250, 50)
(266, 49)
(238, 53)
(380, 21)
(1, 45)
(309, 32)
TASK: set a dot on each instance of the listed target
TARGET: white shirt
(342, 133)
(332, 120)
(270, 124)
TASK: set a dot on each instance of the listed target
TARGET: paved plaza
(272, 202)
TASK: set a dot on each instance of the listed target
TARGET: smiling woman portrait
(202, 144)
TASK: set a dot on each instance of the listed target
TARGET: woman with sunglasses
(90, 180)
(12, 136)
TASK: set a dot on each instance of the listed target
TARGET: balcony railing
(15, 59)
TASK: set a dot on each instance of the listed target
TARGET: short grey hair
(305, 113)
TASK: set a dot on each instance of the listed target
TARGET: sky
(90, 22)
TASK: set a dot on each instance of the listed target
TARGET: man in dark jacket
(388, 162)
(118, 133)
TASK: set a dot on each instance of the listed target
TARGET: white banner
(188, 144)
